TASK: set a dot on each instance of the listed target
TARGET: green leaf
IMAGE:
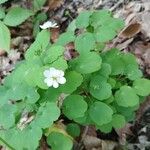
(39, 45)
(7, 118)
(65, 38)
(74, 106)
(46, 115)
(2, 13)
(104, 34)
(118, 121)
(37, 4)
(100, 113)
(106, 128)
(3, 95)
(74, 80)
(5, 37)
(73, 129)
(87, 63)
(16, 16)
(53, 54)
(72, 26)
(3, 1)
(82, 21)
(142, 87)
(114, 59)
(126, 97)
(99, 88)
(21, 140)
(59, 141)
(105, 70)
(131, 66)
(85, 42)
(99, 17)
(51, 95)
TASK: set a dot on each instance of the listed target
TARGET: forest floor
(134, 38)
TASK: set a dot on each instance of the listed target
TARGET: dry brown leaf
(131, 30)
(124, 44)
(54, 34)
(54, 4)
(123, 132)
(94, 143)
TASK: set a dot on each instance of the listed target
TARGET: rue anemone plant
(49, 95)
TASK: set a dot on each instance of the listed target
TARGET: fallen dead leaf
(54, 34)
(94, 143)
(54, 4)
(131, 30)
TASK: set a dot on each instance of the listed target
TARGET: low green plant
(95, 87)
(15, 16)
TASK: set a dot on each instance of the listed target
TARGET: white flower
(54, 77)
(49, 24)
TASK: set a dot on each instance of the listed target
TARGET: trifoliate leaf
(39, 45)
(113, 58)
(7, 118)
(99, 18)
(106, 128)
(105, 70)
(104, 34)
(16, 16)
(131, 66)
(85, 120)
(82, 21)
(18, 91)
(5, 37)
(99, 88)
(73, 80)
(73, 129)
(51, 95)
(85, 42)
(126, 97)
(60, 64)
(46, 115)
(100, 113)
(87, 63)
(53, 53)
(65, 38)
(118, 121)
(142, 87)
(21, 140)
(74, 106)
(133, 72)
(32, 95)
(59, 141)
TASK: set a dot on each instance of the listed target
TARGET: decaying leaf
(131, 30)
(94, 143)
(54, 34)
(54, 4)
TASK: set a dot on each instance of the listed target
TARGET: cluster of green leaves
(102, 88)
(16, 16)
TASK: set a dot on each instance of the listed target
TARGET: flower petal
(47, 73)
(61, 80)
(48, 24)
(55, 84)
(49, 82)
(61, 73)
